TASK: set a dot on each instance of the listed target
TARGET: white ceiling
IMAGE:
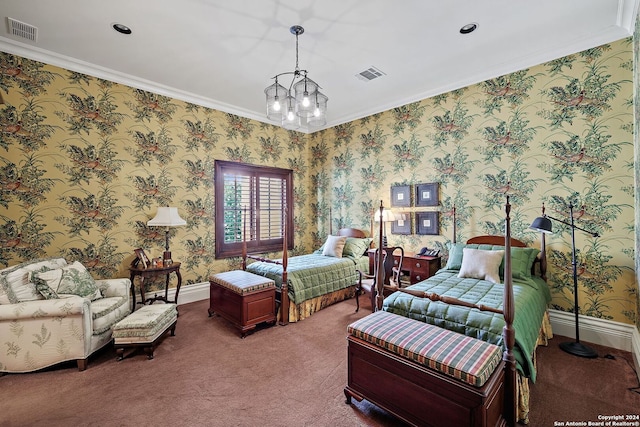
(223, 53)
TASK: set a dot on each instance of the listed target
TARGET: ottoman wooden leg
(120, 353)
(149, 351)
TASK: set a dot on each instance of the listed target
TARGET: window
(256, 200)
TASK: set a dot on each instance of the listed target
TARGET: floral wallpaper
(85, 163)
(560, 133)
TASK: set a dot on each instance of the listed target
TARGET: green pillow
(456, 250)
(521, 261)
(73, 279)
(356, 247)
(521, 258)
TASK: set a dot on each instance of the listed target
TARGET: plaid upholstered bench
(245, 299)
(144, 328)
(424, 374)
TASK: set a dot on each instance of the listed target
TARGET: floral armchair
(51, 312)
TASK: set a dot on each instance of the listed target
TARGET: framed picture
(427, 223)
(427, 194)
(401, 196)
(402, 225)
(142, 258)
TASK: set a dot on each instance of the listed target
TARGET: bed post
(508, 332)
(454, 224)
(330, 223)
(244, 240)
(380, 266)
(284, 289)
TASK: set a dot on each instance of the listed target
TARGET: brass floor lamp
(543, 224)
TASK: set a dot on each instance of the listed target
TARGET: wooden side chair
(392, 273)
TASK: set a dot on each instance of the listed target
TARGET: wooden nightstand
(415, 267)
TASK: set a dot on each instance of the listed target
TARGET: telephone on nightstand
(428, 252)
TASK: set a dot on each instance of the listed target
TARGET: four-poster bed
(308, 283)
(512, 316)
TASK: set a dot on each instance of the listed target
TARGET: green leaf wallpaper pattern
(86, 162)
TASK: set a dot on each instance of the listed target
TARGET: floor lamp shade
(543, 224)
(166, 217)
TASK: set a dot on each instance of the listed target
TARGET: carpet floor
(293, 375)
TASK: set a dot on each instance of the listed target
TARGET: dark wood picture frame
(427, 223)
(402, 226)
(142, 257)
(427, 194)
(401, 196)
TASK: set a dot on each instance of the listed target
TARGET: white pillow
(481, 264)
(334, 246)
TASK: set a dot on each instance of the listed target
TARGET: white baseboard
(191, 293)
(617, 335)
(597, 331)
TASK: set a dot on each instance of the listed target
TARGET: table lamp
(387, 216)
(166, 217)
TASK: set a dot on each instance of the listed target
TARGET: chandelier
(302, 104)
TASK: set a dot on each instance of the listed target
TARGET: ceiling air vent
(20, 29)
(370, 74)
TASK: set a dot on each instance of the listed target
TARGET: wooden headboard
(495, 240)
(352, 232)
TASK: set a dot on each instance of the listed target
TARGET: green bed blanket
(531, 298)
(312, 275)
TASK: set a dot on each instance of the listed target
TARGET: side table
(151, 272)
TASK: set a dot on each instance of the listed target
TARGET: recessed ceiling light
(468, 28)
(123, 29)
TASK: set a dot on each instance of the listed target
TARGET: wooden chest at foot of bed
(419, 391)
(245, 299)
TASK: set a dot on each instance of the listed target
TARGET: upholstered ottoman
(245, 299)
(143, 328)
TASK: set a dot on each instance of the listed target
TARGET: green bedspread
(531, 299)
(312, 275)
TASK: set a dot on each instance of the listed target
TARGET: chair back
(393, 268)
(396, 270)
(376, 257)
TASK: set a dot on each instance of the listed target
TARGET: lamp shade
(387, 216)
(319, 117)
(543, 224)
(305, 91)
(167, 217)
(276, 96)
(290, 120)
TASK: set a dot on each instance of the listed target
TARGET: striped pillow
(467, 359)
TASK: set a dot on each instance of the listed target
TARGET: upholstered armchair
(39, 331)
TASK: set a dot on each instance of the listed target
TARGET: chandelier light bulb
(276, 105)
(291, 115)
(316, 112)
(305, 100)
